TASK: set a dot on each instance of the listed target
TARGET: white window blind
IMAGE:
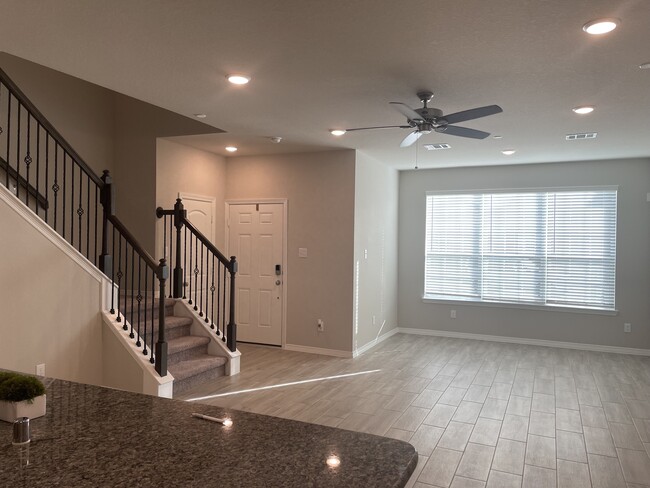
(531, 247)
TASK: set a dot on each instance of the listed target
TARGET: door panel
(200, 213)
(256, 239)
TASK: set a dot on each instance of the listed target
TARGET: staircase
(53, 181)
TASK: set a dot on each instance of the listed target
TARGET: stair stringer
(127, 368)
(216, 347)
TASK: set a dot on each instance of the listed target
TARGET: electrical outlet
(627, 327)
(453, 314)
(40, 369)
(320, 325)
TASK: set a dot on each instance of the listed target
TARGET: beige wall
(375, 249)
(83, 113)
(319, 188)
(50, 305)
(184, 169)
(632, 266)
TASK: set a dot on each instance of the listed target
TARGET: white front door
(256, 239)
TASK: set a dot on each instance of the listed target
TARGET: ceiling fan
(425, 120)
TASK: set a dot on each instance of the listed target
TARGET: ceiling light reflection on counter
(231, 148)
(508, 152)
(333, 461)
(337, 132)
(600, 26)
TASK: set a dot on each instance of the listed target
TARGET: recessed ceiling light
(337, 132)
(231, 148)
(508, 152)
(600, 26)
(644, 66)
(238, 79)
(497, 137)
(437, 146)
(586, 109)
(200, 116)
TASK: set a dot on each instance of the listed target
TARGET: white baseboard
(318, 350)
(360, 350)
(530, 342)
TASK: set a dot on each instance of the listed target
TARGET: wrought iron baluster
(8, 138)
(47, 170)
(64, 189)
(55, 186)
(80, 210)
(131, 334)
(196, 273)
(28, 159)
(171, 250)
(72, 194)
(201, 272)
(112, 271)
(88, 217)
(17, 183)
(38, 165)
(184, 262)
(146, 306)
(218, 295)
(188, 273)
(223, 304)
(165, 237)
(212, 294)
(96, 216)
(139, 299)
(119, 283)
(153, 305)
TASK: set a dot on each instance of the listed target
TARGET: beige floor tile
(599, 441)
(522, 388)
(509, 456)
(617, 412)
(540, 451)
(402, 435)
(501, 391)
(593, 416)
(515, 428)
(426, 438)
(605, 472)
(497, 479)
(411, 418)
(467, 412)
(427, 399)
(486, 431)
(589, 397)
(635, 466)
(570, 446)
(536, 477)
(643, 428)
(565, 383)
(459, 482)
(639, 409)
(519, 405)
(484, 378)
(440, 467)
(477, 393)
(572, 475)
(610, 394)
(625, 436)
(416, 385)
(543, 403)
(566, 419)
(456, 436)
(421, 485)
(476, 462)
(401, 402)
(413, 480)
(566, 399)
(493, 408)
(440, 415)
(440, 382)
(542, 424)
(328, 421)
(544, 385)
(452, 396)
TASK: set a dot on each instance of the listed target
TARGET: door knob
(277, 282)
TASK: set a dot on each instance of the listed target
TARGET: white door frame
(285, 257)
(208, 199)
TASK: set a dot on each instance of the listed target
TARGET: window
(553, 248)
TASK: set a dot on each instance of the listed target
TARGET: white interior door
(256, 238)
(200, 211)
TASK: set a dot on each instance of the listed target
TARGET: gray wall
(319, 188)
(375, 249)
(632, 266)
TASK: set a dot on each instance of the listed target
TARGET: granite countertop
(98, 437)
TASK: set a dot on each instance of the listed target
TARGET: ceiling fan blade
(407, 111)
(411, 138)
(471, 114)
(380, 127)
(454, 130)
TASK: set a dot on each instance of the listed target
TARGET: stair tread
(186, 342)
(191, 367)
(175, 321)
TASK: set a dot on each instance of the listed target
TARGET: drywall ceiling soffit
(320, 65)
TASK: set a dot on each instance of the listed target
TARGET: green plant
(16, 387)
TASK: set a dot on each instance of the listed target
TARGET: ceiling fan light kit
(427, 119)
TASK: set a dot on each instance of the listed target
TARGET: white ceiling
(320, 64)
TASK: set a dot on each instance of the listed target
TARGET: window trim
(516, 305)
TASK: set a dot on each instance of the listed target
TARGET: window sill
(545, 308)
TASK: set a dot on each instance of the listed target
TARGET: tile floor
(480, 414)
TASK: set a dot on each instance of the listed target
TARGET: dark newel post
(232, 326)
(179, 214)
(107, 200)
(161, 345)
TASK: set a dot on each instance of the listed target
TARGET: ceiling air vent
(585, 135)
(435, 147)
